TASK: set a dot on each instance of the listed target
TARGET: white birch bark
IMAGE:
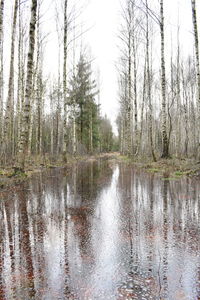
(165, 142)
(65, 134)
(1, 69)
(149, 86)
(23, 145)
(9, 115)
(196, 40)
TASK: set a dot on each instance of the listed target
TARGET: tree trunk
(135, 95)
(142, 110)
(23, 146)
(58, 127)
(149, 83)
(196, 38)
(39, 103)
(19, 83)
(130, 106)
(74, 135)
(121, 135)
(91, 133)
(165, 141)
(52, 128)
(65, 134)
(178, 102)
(1, 70)
(9, 116)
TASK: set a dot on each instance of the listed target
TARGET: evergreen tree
(82, 92)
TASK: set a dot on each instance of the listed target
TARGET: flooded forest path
(103, 230)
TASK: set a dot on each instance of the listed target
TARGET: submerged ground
(102, 230)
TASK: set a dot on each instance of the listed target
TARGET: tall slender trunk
(52, 126)
(149, 81)
(165, 141)
(19, 83)
(196, 39)
(1, 69)
(178, 101)
(186, 125)
(81, 122)
(23, 146)
(74, 135)
(30, 133)
(121, 135)
(185, 110)
(130, 106)
(37, 95)
(65, 134)
(9, 116)
(58, 127)
(59, 95)
(135, 94)
(142, 110)
(91, 133)
(39, 103)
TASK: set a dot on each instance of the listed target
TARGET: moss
(152, 170)
(126, 159)
(1, 172)
(169, 178)
(175, 168)
(179, 173)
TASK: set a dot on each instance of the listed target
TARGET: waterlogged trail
(103, 231)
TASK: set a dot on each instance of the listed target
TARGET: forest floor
(11, 176)
(173, 168)
(169, 168)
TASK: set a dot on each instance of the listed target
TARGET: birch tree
(149, 84)
(126, 36)
(23, 146)
(165, 140)
(1, 69)
(65, 41)
(8, 124)
(196, 40)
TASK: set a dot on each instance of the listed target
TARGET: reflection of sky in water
(107, 208)
(54, 253)
(86, 239)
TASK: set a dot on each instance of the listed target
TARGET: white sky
(103, 16)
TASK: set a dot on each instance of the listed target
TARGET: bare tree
(9, 116)
(149, 84)
(1, 69)
(165, 140)
(23, 146)
(196, 39)
(65, 41)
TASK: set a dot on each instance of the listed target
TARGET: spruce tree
(82, 92)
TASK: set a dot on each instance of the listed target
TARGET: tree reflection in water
(100, 231)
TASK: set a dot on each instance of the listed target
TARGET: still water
(102, 231)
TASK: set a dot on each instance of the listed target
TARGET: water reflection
(100, 231)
